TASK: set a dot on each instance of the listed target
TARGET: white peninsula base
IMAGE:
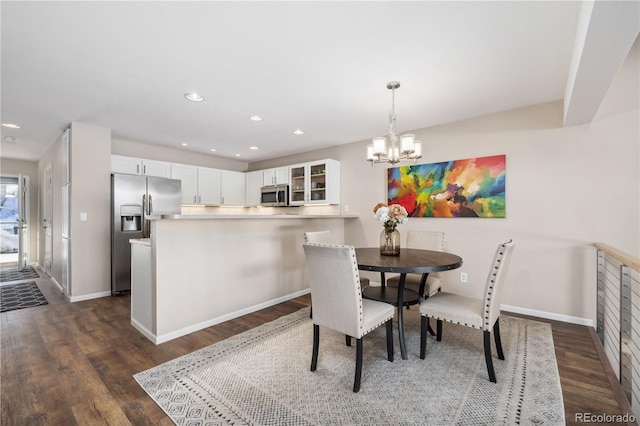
(199, 271)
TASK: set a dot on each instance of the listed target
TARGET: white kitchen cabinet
(156, 168)
(316, 182)
(209, 186)
(66, 196)
(277, 176)
(128, 165)
(200, 185)
(188, 175)
(142, 288)
(139, 166)
(232, 188)
(254, 182)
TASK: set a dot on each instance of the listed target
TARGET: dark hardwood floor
(72, 363)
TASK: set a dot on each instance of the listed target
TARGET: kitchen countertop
(141, 241)
(252, 216)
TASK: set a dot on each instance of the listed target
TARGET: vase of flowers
(390, 217)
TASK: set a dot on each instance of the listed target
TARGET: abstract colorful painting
(474, 187)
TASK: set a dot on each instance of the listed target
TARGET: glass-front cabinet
(316, 182)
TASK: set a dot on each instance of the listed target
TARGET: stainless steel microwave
(274, 196)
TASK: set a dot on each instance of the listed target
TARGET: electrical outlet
(346, 208)
(463, 277)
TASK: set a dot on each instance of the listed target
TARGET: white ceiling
(318, 66)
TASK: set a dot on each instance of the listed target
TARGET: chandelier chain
(392, 118)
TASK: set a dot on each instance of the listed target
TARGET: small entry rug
(14, 274)
(262, 377)
(19, 296)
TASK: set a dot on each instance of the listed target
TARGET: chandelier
(408, 149)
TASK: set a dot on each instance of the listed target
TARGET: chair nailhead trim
(487, 300)
(453, 322)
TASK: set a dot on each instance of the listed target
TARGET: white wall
(566, 189)
(232, 267)
(90, 194)
(131, 148)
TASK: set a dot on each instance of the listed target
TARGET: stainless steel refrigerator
(133, 198)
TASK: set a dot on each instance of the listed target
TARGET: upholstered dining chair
(425, 240)
(338, 303)
(324, 237)
(482, 313)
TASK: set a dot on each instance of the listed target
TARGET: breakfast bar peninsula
(200, 270)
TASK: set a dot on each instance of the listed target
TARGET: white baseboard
(40, 269)
(213, 321)
(547, 315)
(57, 284)
(90, 296)
(145, 332)
(76, 298)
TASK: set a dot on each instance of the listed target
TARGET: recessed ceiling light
(212, 150)
(194, 97)
(298, 132)
(253, 147)
(237, 155)
(11, 126)
(255, 118)
(184, 144)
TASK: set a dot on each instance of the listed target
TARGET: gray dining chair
(472, 312)
(426, 240)
(337, 300)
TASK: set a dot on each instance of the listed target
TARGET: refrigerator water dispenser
(131, 217)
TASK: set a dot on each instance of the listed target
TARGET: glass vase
(390, 241)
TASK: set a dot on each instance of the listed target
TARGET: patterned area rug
(20, 296)
(262, 377)
(14, 274)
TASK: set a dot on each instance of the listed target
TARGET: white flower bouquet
(390, 216)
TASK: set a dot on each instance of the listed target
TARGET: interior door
(23, 222)
(47, 220)
(9, 220)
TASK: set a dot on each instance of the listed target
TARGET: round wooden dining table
(410, 261)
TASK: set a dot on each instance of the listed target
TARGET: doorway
(14, 226)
